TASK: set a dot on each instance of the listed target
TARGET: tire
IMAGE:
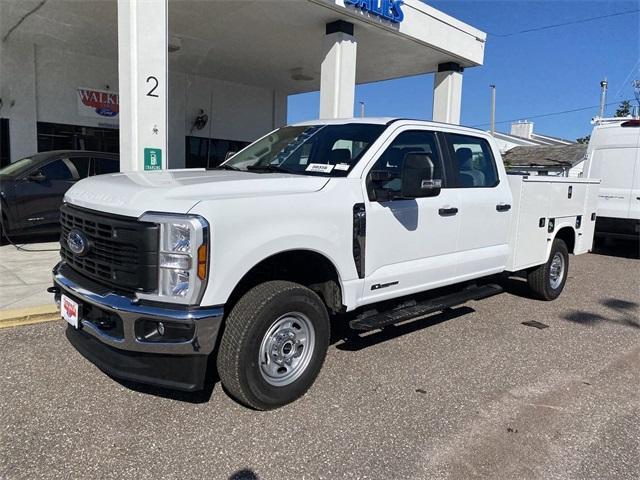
(262, 361)
(547, 280)
(4, 240)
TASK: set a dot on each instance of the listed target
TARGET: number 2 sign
(152, 83)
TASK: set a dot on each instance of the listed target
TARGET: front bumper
(114, 334)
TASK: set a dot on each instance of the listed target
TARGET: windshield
(308, 150)
(16, 168)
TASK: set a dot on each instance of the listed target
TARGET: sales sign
(98, 103)
(388, 9)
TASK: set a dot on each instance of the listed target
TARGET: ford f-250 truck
(161, 270)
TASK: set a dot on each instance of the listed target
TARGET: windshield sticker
(319, 168)
(342, 166)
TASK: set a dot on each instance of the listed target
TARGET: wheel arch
(567, 234)
(306, 267)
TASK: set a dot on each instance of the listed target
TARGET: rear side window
(473, 161)
(104, 166)
(81, 165)
(57, 170)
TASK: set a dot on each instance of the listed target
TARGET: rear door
(614, 161)
(615, 167)
(410, 244)
(485, 206)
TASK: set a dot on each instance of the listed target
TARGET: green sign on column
(152, 159)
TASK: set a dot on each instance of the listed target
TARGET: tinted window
(56, 136)
(387, 171)
(209, 153)
(473, 161)
(57, 170)
(82, 166)
(104, 166)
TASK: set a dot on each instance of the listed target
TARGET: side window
(386, 174)
(104, 166)
(473, 161)
(81, 165)
(57, 170)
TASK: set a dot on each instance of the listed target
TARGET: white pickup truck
(245, 264)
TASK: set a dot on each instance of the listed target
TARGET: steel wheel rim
(286, 349)
(556, 270)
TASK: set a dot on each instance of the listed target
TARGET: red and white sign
(69, 310)
(98, 103)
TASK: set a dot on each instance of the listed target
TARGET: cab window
(57, 170)
(104, 166)
(386, 173)
(473, 162)
(81, 166)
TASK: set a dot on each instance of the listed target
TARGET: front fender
(226, 275)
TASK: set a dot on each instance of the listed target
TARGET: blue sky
(535, 73)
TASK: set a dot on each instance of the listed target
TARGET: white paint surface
(338, 76)
(142, 70)
(447, 97)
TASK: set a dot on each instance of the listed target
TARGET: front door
(41, 194)
(410, 243)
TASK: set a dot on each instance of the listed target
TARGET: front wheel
(547, 280)
(274, 344)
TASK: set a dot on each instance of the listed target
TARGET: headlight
(183, 258)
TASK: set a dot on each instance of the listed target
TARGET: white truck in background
(613, 156)
(245, 263)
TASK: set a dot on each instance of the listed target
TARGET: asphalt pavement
(472, 393)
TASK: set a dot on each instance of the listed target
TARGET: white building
(231, 66)
(522, 135)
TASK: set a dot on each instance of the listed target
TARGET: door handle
(503, 207)
(448, 212)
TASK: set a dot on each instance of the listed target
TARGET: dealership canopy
(278, 46)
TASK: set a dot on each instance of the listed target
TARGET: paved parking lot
(470, 394)
(25, 274)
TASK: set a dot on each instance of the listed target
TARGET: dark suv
(32, 189)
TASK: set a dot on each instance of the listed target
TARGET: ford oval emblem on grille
(78, 242)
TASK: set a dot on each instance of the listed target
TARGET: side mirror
(417, 177)
(37, 176)
(229, 155)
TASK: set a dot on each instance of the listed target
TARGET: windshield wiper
(227, 167)
(268, 168)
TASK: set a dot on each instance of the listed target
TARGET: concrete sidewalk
(26, 275)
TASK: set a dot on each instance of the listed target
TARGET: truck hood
(178, 191)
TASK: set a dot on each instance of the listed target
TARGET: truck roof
(386, 121)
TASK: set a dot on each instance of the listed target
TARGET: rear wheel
(274, 344)
(547, 281)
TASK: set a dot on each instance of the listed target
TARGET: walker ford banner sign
(388, 9)
(98, 103)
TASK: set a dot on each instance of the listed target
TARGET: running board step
(378, 320)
